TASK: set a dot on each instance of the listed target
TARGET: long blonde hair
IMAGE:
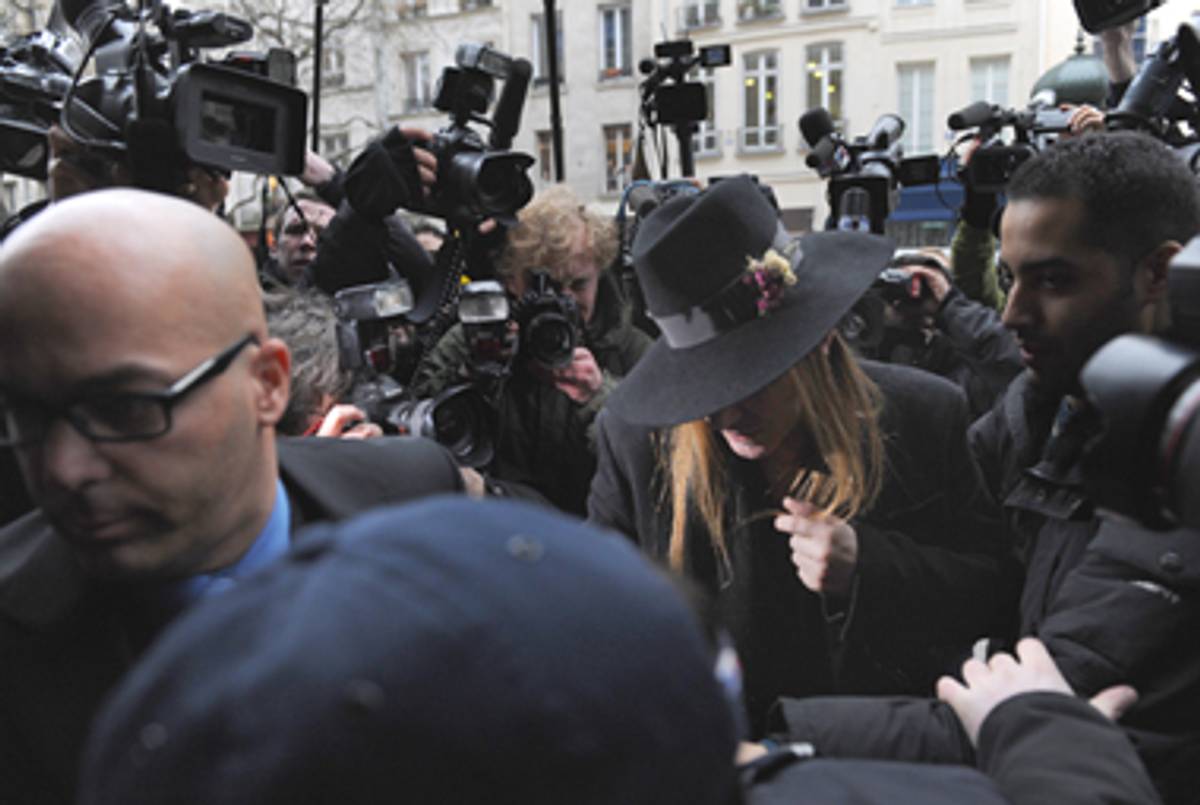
(838, 405)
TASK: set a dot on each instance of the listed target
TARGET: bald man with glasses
(139, 390)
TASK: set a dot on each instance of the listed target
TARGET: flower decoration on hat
(769, 274)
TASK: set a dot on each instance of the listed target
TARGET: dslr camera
(477, 179)
(549, 323)
(1145, 463)
(375, 344)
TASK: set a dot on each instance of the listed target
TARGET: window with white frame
(823, 5)
(538, 51)
(989, 80)
(699, 14)
(751, 10)
(545, 154)
(406, 9)
(914, 2)
(760, 101)
(916, 106)
(823, 65)
(333, 65)
(707, 139)
(616, 41)
(416, 81)
(618, 157)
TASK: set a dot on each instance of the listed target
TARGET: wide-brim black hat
(721, 344)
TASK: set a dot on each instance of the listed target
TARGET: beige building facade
(921, 59)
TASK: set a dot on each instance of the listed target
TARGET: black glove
(978, 209)
(384, 177)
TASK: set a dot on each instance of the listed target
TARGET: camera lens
(551, 340)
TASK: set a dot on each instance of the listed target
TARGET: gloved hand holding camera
(390, 173)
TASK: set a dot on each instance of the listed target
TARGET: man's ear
(272, 380)
(1150, 274)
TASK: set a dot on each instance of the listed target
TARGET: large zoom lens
(457, 419)
(489, 184)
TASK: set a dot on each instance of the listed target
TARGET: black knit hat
(727, 332)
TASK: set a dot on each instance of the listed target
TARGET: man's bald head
(110, 303)
(130, 253)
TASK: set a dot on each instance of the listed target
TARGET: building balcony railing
(699, 15)
(760, 139)
(754, 10)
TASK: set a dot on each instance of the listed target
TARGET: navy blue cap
(447, 651)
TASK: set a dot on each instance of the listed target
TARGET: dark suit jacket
(65, 641)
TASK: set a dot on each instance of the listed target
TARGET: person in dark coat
(1088, 234)
(545, 417)
(931, 325)
(140, 394)
(881, 552)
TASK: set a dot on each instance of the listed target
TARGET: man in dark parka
(1088, 234)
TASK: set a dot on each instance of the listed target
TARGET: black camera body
(1145, 464)
(369, 318)
(667, 98)
(863, 173)
(35, 74)
(896, 287)
(1152, 102)
(153, 104)
(995, 161)
(477, 179)
(549, 323)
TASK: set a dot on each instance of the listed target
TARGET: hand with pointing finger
(824, 548)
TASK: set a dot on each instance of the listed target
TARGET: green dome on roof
(1081, 78)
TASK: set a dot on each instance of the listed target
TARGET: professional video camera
(1153, 103)
(549, 323)
(864, 172)
(994, 161)
(35, 74)
(374, 342)
(154, 106)
(668, 99)
(478, 180)
(1145, 464)
(1098, 15)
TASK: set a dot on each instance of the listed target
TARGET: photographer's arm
(972, 254)
(365, 236)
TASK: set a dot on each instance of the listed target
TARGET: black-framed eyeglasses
(125, 416)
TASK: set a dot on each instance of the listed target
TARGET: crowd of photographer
(824, 479)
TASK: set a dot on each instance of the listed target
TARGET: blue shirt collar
(271, 544)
